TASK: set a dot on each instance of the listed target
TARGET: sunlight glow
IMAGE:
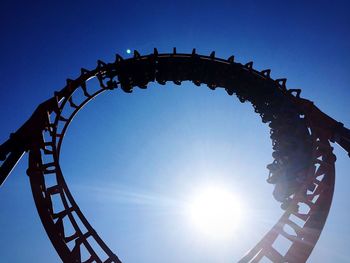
(128, 51)
(215, 212)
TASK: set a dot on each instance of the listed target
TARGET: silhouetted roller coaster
(302, 171)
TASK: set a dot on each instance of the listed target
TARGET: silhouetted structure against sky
(302, 170)
(158, 144)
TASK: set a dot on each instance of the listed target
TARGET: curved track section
(302, 171)
(295, 234)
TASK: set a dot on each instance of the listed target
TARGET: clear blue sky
(133, 160)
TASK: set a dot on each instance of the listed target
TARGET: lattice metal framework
(300, 135)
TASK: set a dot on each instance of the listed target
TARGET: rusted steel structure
(302, 172)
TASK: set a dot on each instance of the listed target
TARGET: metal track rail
(302, 171)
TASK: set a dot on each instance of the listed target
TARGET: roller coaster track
(302, 171)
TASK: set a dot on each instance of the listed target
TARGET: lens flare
(215, 212)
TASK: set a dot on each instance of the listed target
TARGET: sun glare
(215, 212)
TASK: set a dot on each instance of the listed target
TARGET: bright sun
(215, 212)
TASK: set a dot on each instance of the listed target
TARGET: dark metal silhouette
(302, 170)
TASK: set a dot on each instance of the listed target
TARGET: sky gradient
(133, 160)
